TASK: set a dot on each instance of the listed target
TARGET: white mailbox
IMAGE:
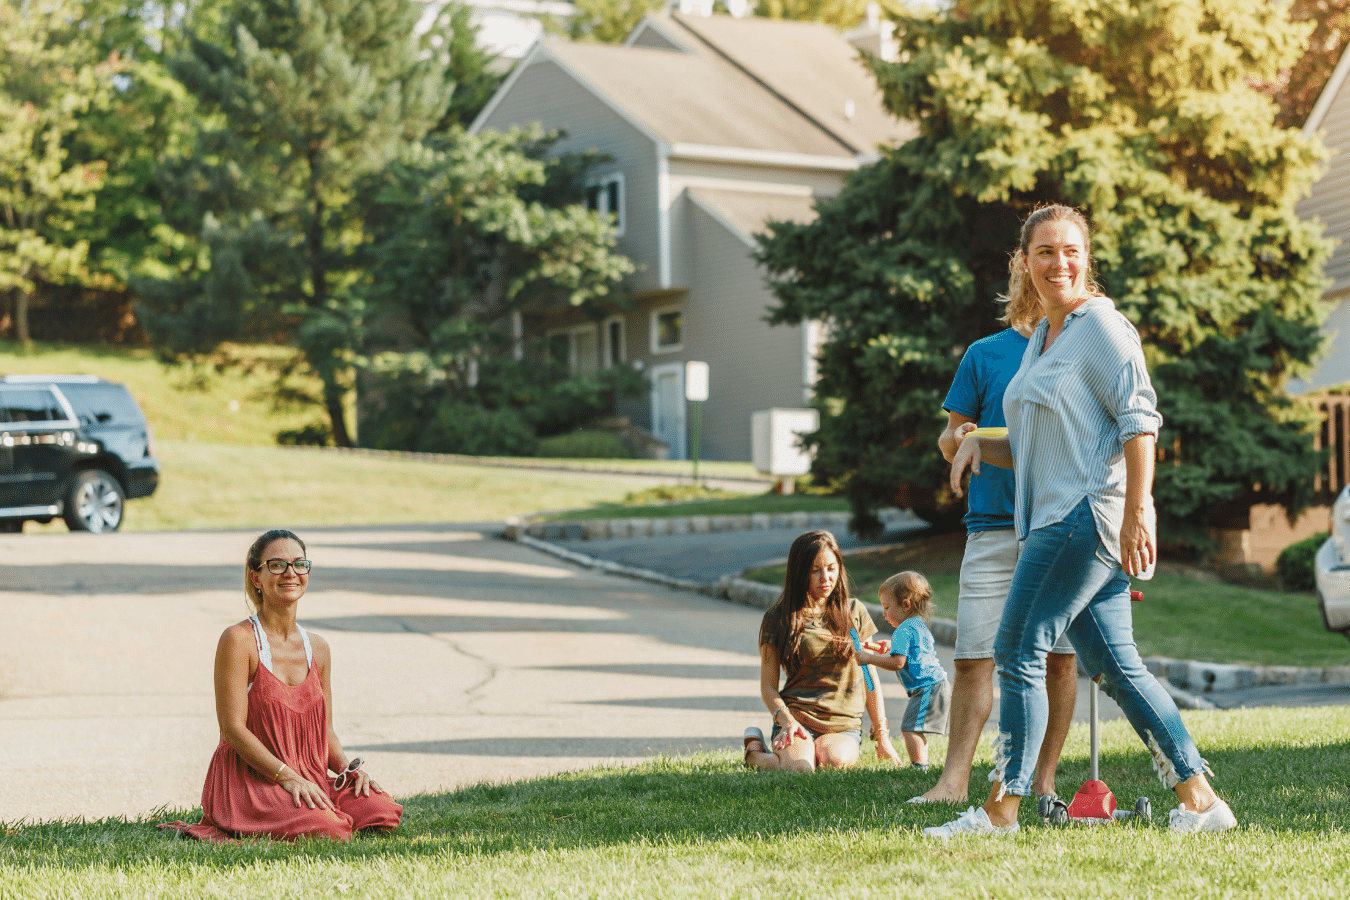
(775, 440)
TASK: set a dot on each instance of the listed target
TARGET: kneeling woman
(269, 775)
(817, 712)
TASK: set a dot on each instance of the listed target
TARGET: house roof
(750, 84)
(820, 73)
(746, 213)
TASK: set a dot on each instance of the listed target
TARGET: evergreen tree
(307, 97)
(1143, 115)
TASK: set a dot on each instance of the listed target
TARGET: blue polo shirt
(977, 392)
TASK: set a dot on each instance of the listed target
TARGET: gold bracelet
(278, 773)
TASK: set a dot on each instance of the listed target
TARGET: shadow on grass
(708, 798)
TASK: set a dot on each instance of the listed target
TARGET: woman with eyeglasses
(269, 775)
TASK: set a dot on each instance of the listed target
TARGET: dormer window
(605, 196)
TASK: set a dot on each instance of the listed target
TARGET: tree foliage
(464, 233)
(50, 76)
(1143, 115)
(307, 97)
(1297, 87)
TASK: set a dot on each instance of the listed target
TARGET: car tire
(11, 526)
(94, 502)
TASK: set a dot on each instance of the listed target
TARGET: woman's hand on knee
(791, 733)
(306, 793)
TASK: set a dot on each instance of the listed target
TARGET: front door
(668, 407)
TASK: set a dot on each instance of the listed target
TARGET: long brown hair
(788, 610)
(1023, 303)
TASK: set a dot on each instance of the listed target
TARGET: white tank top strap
(309, 654)
(265, 649)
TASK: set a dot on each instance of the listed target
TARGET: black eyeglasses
(278, 566)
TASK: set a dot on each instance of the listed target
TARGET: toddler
(907, 602)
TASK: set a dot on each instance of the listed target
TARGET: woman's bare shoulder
(238, 635)
(320, 647)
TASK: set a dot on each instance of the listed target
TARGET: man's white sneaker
(973, 821)
(1217, 818)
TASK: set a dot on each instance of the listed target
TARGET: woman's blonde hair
(912, 592)
(1023, 303)
(253, 561)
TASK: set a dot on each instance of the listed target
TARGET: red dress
(292, 722)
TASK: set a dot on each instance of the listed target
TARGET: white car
(1333, 569)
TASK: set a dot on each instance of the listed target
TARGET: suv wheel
(11, 526)
(94, 502)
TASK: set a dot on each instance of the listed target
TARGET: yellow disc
(991, 432)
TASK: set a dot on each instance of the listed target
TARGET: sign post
(696, 391)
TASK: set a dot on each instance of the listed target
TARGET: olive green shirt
(826, 694)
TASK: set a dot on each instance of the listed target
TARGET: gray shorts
(986, 573)
(927, 709)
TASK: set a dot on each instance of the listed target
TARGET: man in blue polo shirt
(976, 400)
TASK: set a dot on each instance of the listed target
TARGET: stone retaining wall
(650, 526)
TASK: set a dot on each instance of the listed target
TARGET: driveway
(458, 658)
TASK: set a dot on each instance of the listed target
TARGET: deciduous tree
(1141, 113)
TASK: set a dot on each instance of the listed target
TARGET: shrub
(1295, 563)
(472, 430)
(315, 434)
(585, 444)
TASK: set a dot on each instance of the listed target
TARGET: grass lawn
(235, 406)
(1179, 617)
(702, 826)
(230, 486)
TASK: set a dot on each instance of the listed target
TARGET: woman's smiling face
(1057, 261)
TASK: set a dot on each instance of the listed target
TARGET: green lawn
(231, 486)
(704, 827)
(1179, 617)
(234, 406)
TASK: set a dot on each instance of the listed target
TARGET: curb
(641, 527)
(1183, 679)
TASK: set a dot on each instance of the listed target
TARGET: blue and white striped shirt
(1070, 411)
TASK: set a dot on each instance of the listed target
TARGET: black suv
(73, 446)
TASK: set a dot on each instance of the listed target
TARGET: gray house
(715, 125)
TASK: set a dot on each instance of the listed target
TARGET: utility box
(775, 443)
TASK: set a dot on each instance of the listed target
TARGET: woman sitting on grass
(269, 775)
(817, 712)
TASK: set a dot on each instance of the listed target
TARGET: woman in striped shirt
(1082, 425)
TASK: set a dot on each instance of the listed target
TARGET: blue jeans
(1065, 581)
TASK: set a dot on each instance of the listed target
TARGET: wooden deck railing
(1335, 435)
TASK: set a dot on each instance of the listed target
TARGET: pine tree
(1142, 114)
(307, 97)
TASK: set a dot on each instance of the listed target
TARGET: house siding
(1329, 202)
(751, 366)
(546, 94)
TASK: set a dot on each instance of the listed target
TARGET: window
(32, 405)
(574, 350)
(615, 354)
(667, 330)
(605, 196)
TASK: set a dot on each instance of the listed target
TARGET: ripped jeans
(1066, 581)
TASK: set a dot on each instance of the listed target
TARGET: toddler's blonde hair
(912, 592)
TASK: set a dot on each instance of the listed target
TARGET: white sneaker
(973, 821)
(1217, 818)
